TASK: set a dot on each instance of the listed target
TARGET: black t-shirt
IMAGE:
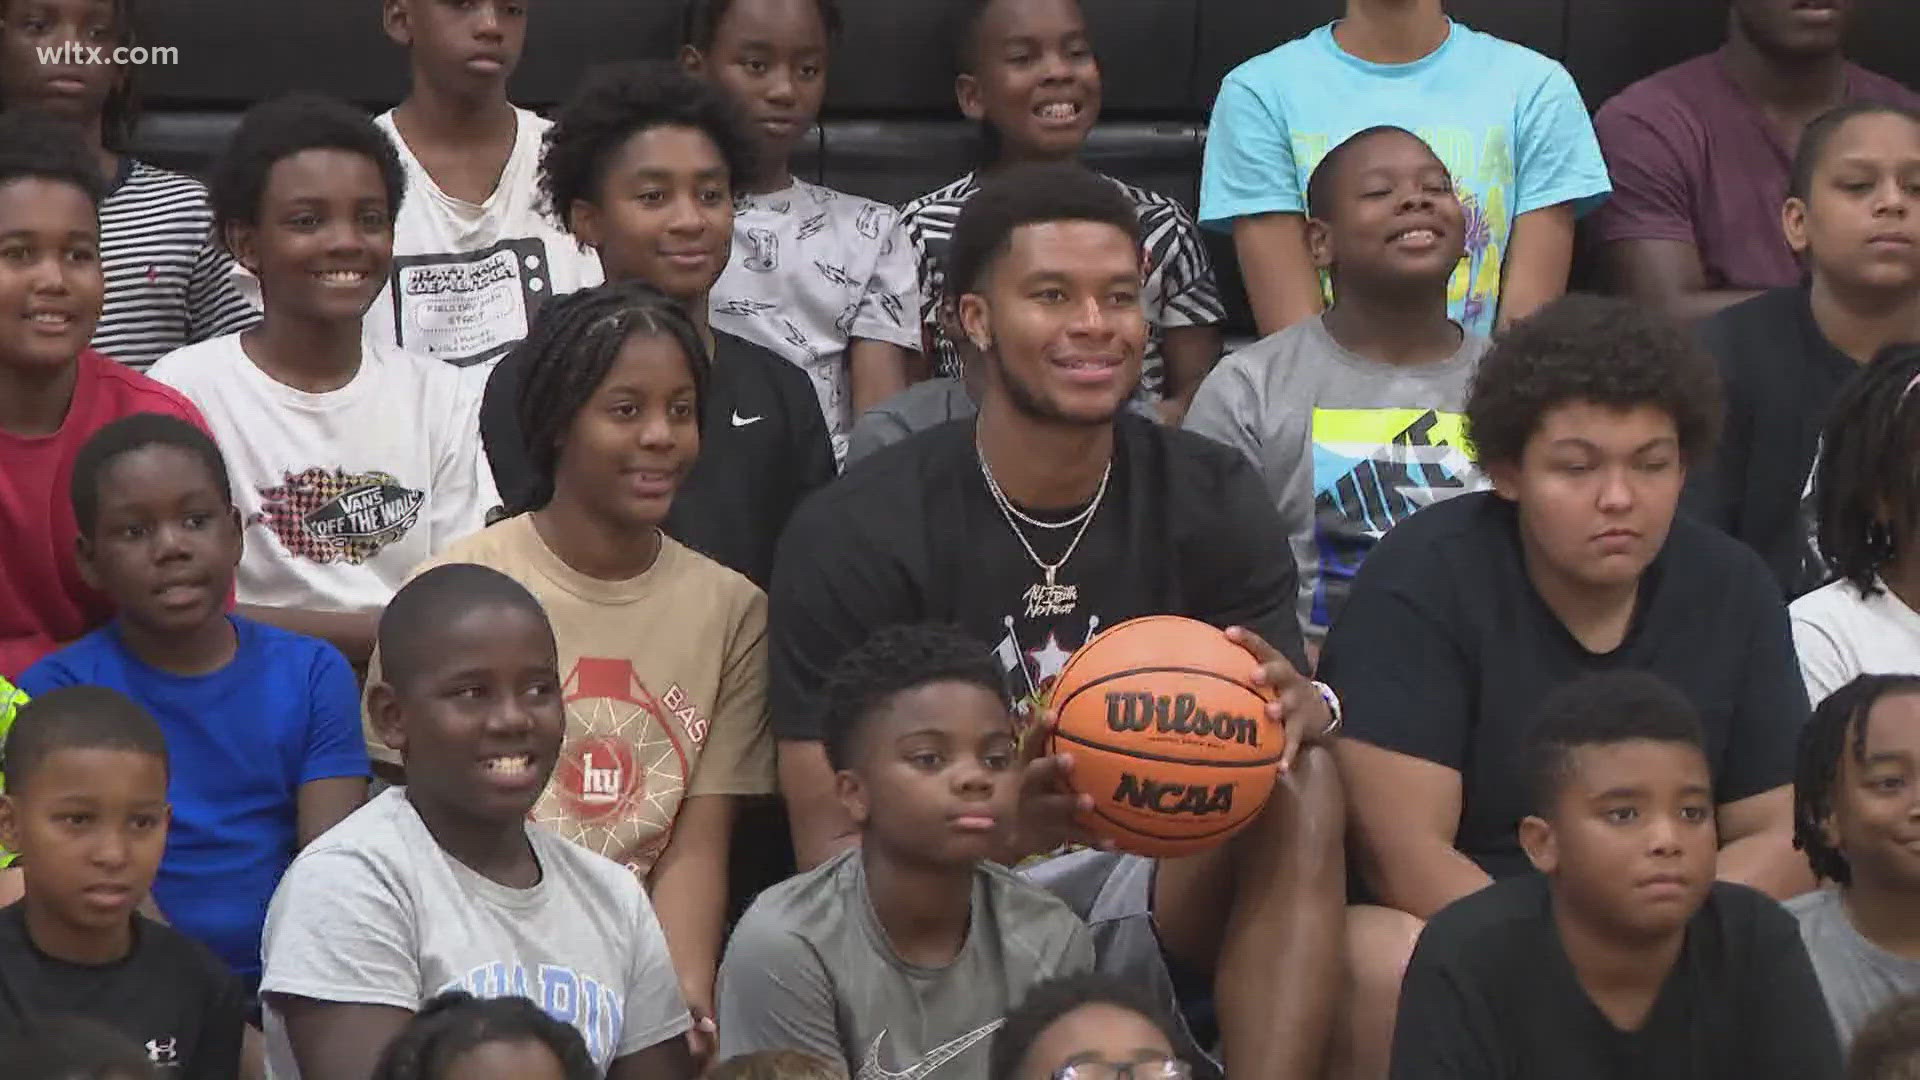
(1445, 650)
(170, 996)
(1491, 995)
(911, 534)
(1780, 374)
(763, 448)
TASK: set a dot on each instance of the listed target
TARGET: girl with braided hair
(457, 1036)
(1856, 797)
(1866, 487)
(662, 650)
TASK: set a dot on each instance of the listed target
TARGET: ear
(241, 242)
(692, 61)
(1537, 840)
(383, 707)
(9, 823)
(1319, 243)
(976, 321)
(1793, 222)
(1506, 480)
(397, 22)
(852, 793)
(966, 91)
(583, 221)
(83, 559)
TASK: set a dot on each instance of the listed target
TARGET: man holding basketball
(1052, 515)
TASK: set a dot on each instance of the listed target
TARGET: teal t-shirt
(1507, 121)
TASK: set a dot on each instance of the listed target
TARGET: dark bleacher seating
(891, 130)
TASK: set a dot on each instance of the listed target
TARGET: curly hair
(1031, 194)
(37, 147)
(1597, 350)
(120, 112)
(777, 1065)
(273, 131)
(569, 352)
(1839, 725)
(1603, 709)
(1869, 467)
(700, 23)
(892, 662)
(72, 1048)
(1048, 1002)
(615, 104)
(456, 1022)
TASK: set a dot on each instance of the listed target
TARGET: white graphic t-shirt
(340, 494)
(813, 269)
(376, 913)
(468, 277)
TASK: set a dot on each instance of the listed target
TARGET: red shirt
(43, 602)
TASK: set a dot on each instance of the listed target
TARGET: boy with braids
(1868, 496)
(642, 164)
(1856, 798)
(662, 650)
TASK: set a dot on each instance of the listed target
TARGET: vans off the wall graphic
(334, 516)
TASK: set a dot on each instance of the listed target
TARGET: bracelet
(1333, 709)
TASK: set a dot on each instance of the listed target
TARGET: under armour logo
(163, 1051)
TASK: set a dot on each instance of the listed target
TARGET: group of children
(518, 492)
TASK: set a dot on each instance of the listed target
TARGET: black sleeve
(1786, 1030)
(1715, 486)
(500, 433)
(832, 587)
(813, 463)
(1243, 572)
(217, 1052)
(1396, 661)
(1444, 1030)
(1764, 738)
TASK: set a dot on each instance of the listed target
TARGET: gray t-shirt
(809, 968)
(375, 913)
(1857, 977)
(1347, 446)
(923, 405)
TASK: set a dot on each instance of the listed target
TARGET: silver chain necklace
(1047, 598)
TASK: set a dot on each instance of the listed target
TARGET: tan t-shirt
(665, 681)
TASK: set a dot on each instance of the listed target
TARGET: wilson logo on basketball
(1177, 714)
(1196, 800)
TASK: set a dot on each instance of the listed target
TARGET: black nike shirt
(763, 448)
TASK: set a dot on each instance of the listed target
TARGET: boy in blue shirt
(1508, 122)
(262, 725)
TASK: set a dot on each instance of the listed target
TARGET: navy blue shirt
(285, 711)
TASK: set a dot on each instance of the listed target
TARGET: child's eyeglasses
(1151, 1069)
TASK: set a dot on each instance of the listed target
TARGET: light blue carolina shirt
(1507, 121)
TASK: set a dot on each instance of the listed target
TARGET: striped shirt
(167, 276)
(1179, 291)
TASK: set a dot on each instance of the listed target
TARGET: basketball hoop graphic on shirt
(623, 769)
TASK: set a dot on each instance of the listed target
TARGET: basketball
(1167, 735)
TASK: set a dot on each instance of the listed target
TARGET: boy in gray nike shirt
(900, 957)
(1353, 417)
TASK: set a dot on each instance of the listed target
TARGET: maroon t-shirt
(43, 602)
(1692, 159)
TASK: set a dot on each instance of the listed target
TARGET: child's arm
(217, 1052)
(1754, 784)
(1539, 258)
(1282, 283)
(1190, 352)
(689, 887)
(877, 370)
(333, 774)
(336, 1041)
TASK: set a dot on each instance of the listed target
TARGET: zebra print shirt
(167, 276)
(1180, 289)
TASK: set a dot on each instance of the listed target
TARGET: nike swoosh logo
(871, 1069)
(743, 421)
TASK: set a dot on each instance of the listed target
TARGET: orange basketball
(1166, 734)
